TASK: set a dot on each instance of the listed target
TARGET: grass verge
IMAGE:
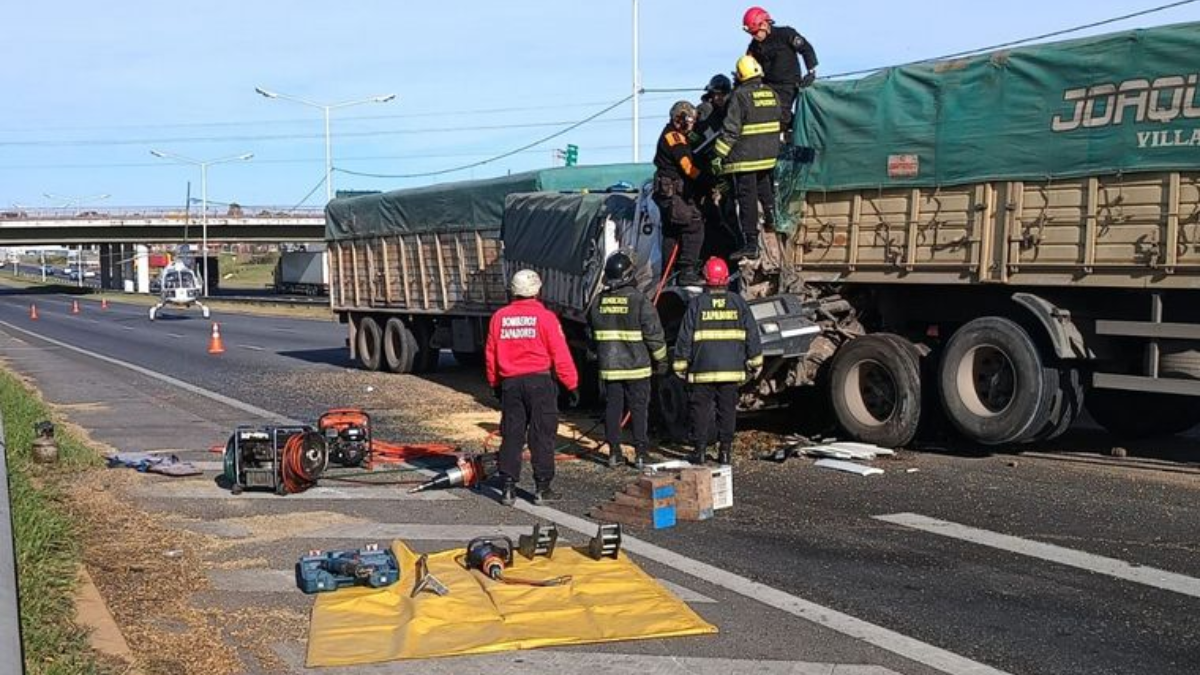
(47, 539)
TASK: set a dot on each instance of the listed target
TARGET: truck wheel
(1066, 406)
(875, 388)
(370, 342)
(427, 355)
(1136, 415)
(994, 387)
(672, 408)
(399, 346)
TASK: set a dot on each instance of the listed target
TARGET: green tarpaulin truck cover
(1119, 103)
(468, 205)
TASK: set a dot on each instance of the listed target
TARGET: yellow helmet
(748, 67)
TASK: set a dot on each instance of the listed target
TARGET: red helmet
(754, 18)
(716, 272)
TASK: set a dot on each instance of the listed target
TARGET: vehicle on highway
(1021, 248)
(302, 273)
(180, 287)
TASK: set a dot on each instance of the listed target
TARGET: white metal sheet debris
(848, 467)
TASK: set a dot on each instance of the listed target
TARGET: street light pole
(636, 88)
(203, 198)
(326, 109)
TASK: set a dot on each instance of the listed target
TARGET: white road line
(577, 661)
(200, 391)
(897, 643)
(253, 348)
(175, 335)
(1112, 567)
(127, 328)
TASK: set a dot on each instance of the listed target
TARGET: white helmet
(526, 284)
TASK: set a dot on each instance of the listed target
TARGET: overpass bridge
(122, 234)
(156, 225)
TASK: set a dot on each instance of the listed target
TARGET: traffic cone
(74, 306)
(103, 303)
(215, 346)
(32, 312)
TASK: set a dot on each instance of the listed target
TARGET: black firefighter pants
(528, 410)
(786, 93)
(752, 189)
(634, 394)
(701, 398)
(683, 227)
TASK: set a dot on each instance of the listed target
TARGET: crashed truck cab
(567, 237)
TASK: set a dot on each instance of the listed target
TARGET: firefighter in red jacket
(525, 343)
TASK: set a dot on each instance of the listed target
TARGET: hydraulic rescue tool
(286, 459)
(468, 471)
(606, 543)
(541, 542)
(320, 572)
(494, 555)
(347, 432)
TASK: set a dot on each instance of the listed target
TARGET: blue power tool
(320, 572)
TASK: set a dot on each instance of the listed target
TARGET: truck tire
(875, 389)
(671, 408)
(370, 343)
(399, 346)
(1137, 415)
(1066, 406)
(426, 358)
(994, 386)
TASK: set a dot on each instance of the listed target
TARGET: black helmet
(618, 270)
(719, 84)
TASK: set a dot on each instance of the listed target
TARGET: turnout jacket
(525, 338)
(718, 341)
(749, 140)
(673, 157)
(778, 56)
(627, 333)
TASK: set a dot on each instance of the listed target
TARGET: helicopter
(180, 285)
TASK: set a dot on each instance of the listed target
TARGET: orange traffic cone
(32, 312)
(215, 346)
(74, 306)
(103, 303)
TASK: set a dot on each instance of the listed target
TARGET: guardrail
(12, 654)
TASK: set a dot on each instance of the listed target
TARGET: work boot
(725, 456)
(690, 278)
(508, 491)
(642, 459)
(699, 457)
(747, 252)
(614, 457)
(545, 494)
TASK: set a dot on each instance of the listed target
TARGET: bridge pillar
(106, 259)
(143, 268)
(122, 265)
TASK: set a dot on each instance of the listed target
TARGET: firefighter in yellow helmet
(747, 150)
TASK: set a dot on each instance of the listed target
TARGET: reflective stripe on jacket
(718, 340)
(627, 333)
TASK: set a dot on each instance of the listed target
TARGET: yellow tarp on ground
(606, 601)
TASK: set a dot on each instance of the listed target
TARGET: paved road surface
(830, 539)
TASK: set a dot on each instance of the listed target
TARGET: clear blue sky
(88, 88)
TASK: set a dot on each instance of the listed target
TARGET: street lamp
(203, 197)
(68, 202)
(326, 108)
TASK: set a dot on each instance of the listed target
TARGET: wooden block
(647, 504)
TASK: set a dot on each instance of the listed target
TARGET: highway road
(949, 562)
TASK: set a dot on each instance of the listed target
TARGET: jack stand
(426, 581)
(606, 543)
(541, 542)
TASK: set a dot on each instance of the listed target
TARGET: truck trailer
(998, 242)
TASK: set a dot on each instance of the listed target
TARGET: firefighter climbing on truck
(779, 50)
(748, 149)
(676, 192)
(716, 193)
(631, 347)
